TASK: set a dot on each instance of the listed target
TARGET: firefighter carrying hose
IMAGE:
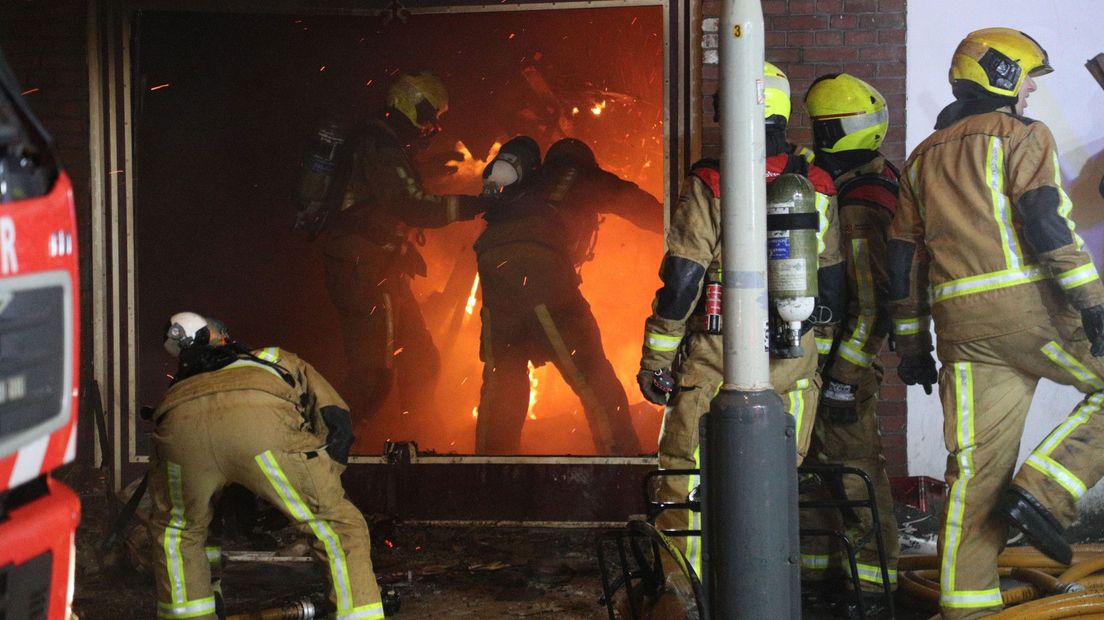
(983, 243)
(850, 120)
(540, 230)
(370, 257)
(682, 358)
(268, 421)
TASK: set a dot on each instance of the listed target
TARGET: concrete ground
(438, 572)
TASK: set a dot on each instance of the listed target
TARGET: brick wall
(806, 39)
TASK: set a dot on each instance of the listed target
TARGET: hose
(1067, 592)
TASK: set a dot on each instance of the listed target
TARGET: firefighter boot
(1041, 529)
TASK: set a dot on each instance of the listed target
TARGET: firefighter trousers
(199, 450)
(986, 388)
(569, 337)
(700, 377)
(858, 445)
(385, 337)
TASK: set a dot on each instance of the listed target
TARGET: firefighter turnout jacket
(674, 334)
(533, 310)
(984, 225)
(253, 422)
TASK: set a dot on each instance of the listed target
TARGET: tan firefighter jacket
(245, 382)
(867, 199)
(982, 240)
(694, 254)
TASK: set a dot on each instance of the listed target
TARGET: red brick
(775, 38)
(860, 38)
(896, 465)
(784, 56)
(893, 424)
(891, 69)
(862, 70)
(711, 8)
(774, 7)
(891, 408)
(798, 74)
(802, 7)
(829, 6)
(800, 38)
(710, 72)
(893, 35)
(800, 22)
(889, 21)
(893, 392)
(815, 54)
(828, 37)
(843, 22)
(860, 6)
(891, 6)
(885, 52)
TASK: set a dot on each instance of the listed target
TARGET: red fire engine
(39, 366)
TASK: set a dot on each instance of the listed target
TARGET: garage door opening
(222, 106)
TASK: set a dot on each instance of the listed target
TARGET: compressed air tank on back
(317, 173)
(792, 254)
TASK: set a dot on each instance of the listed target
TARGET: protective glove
(838, 402)
(656, 385)
(918, 369)
(473, 206)
(1092, 319)
(339, 438)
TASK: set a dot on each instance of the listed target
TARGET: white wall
(1072, 105)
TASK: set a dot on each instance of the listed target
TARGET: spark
(30, 90)
(159, 86)
(406, 412)
(390, 545)
(397, 351)
(470, 306)
(475, 412)
(598, 108)
(322, 68)
(463, 381)
(525, 281)
(119, 171)
(499, 266)
(511, 36)
(575, 110)
(369, 82)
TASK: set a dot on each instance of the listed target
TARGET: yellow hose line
(1083, 569)
(1052, 607)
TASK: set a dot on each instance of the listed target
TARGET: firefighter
(850, 120)
(537, 237)
(370, 257)
(676, 327)
(265, 420)
(983, 244)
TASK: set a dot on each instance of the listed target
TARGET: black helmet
(571, 151)
(516, 160)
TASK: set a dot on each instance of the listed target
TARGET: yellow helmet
(421, 97)
(998, 59)
(776, 87)
(847, 113)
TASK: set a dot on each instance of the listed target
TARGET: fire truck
(39, 366)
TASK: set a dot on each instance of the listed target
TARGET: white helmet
(184, 330)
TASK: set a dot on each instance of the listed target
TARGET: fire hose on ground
(1047, 589)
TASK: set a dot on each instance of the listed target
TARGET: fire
(469, 166)
(470, 306)
(475, 412)
(533, 383)
(597, 108)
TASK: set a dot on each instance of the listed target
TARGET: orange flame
(533, 383)
(470, 306)
(469, 166)
(597, 108)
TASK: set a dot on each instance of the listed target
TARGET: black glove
(838, 402)
(1092, 319)
(340, 437)
(472, 206)
(918, 369)
(656, 385)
